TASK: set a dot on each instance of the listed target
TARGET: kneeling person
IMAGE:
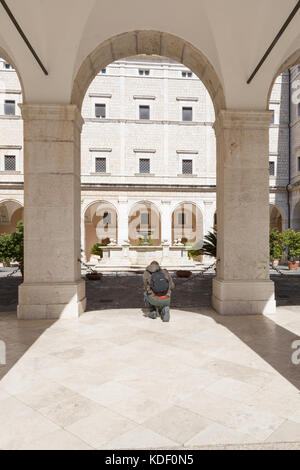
(158, 285)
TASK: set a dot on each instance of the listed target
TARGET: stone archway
(242, 168)
(276, 220)
(11, 212)
(144, 223)
(187, 223)
(148, 43)
(101, 225)
(291, 61)
(296, 217)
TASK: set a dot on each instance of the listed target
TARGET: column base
(243, 297)
(51, 301)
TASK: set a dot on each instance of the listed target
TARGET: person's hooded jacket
(152, 268)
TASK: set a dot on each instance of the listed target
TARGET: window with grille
(145, 219)
(9, 107)
(272, 168)
(181, 218)
(186, 74)
(144, 165)
(100, 111)
(10, 163)
(100, 165)
(187, 114)
(144, 72)
(144, 112)
(187, 167)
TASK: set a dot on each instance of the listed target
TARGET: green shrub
(12, 246)
(97, 250)
(277, 246)
(142, 242)
(291, 241)
(6, 248)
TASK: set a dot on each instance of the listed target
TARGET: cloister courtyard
(116, 379)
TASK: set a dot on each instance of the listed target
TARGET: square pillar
(123, 231)
(242, 285)
(52, 286)
(166, 221)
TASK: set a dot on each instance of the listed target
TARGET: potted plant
(277, 247)
(291, 241)
(92, 275)
(182, 273)
(97, 252)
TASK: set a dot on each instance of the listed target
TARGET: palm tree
(210, 244)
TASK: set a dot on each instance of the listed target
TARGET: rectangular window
(272, 168)
(145, 218)
(144, 73)
(187, 114)
(298, 163)
(144, 165)
(103, 71)
(181, 218)
(144, 112)
(298, 109)
(187, 167)
(7, 66)
(9, 108)
(100, 111)
(100, 165)
(10, 163)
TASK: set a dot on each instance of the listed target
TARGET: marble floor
(115, 379)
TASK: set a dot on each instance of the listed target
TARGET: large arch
(276, 218)
(291, 61)
(144, 222)
(187, 223)
(149, 43)
(11, 212)
(296, 217)
(4, 55)
(101, 224)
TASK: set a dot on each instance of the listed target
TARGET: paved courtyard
(117, 379)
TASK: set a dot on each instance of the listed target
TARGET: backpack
(159, 283)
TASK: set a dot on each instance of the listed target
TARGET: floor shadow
(270, 341)
(18, 337)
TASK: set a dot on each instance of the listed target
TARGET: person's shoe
(152, 314)
(165, 314)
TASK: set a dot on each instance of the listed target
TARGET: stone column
(52, 286)
(123, 222)
(242, 285)
(166, 222)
